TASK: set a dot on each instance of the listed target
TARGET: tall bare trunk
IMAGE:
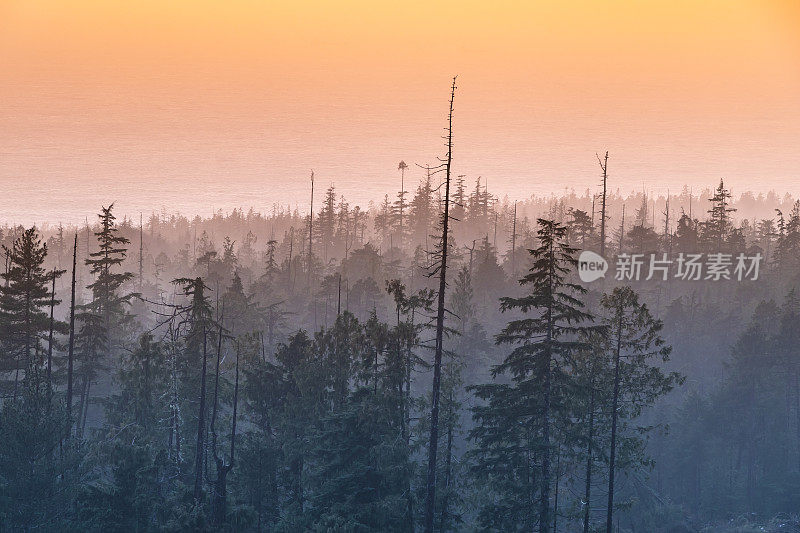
(430, 492)
(310, 233)
(614, 406)
(50, 340)
(71, 351)
(604, 167)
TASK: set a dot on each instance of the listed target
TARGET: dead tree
(141, 253)
(471, 253)
(604, 166)
(310, 232)
(402, 168)
(430, 488)
(50, 337)
(514, 243)
(71, 350)
(667, 236)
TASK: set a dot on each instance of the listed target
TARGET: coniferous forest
(430, 362)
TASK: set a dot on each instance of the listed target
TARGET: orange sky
(117, 99)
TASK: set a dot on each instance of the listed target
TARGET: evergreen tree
(634, 340)
(422, 211)
(38, 475)
(686, 236)
(581, 229)
(545, 341)
(141, 486)
(106, 300)
(193, 367)
(24, 297)
(325, 228)
(718, 226)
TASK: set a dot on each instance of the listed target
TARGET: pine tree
(193, 368)
(719, 225)
(422, 210)
(91, 343)
(25, 297)
(38, 477)
(219, 500)
(140, 481)
(106, 300)
(461, 299)
(383, 221)
(271, 268)
(490, 278)
(634, 340)
(580, 228)
(544, 343)
(326, 223)
(686, 235)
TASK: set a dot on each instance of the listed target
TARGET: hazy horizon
(199, 107)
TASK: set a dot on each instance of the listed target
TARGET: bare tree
(71, 351)
(430, 489)
(604, 166)
(310, 231)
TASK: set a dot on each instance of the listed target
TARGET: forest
(431, 362)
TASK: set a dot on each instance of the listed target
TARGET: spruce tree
(34, 487)
(719, 224)
(198, 317)
(107, 302)
(545, 340)
(634, 341)
(25, 296)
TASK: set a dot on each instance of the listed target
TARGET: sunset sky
(194, 105)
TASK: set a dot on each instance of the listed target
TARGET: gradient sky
(194, 105)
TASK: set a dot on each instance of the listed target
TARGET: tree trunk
(604, 166)
(219, 503)
(50, 340)
(70, 356)
(588, 488)
(614, 406)
(447, 468)
(220, 499)
(198, 463)
(544, 504)
(797, 410)
(86, 387)
(555, 496)
(430, 492)
(407, 424)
